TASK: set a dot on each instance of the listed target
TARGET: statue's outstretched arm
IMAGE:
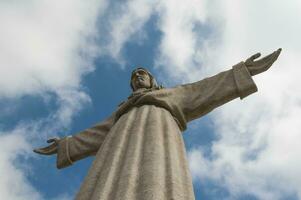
(258, 66)
(72, 148)
(197, 99)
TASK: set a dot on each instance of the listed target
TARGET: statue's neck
(140, 91)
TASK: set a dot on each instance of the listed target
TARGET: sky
(65, 65)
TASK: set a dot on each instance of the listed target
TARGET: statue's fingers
(39, 151)
(255, 56)
(44, 152)
(277, 53)
(272, 57)
(262, 64)
(268, 58)
(49, 150)
(266, 62)
(279, 50)
(250, 60)
(52, 140)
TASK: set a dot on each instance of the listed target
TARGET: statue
(139, 150)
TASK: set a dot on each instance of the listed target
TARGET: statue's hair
(153, 81)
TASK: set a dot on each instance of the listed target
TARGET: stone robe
(139, 150)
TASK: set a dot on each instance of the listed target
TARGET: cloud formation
(46, 48)
(13, 183)
(41, 45)
(124, 23)
(257, 149)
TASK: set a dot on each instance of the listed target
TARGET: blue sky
(66, 66)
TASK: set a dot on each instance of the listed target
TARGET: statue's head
(142, 78)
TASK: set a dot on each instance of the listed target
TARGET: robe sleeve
(196, 99)
(83, 144)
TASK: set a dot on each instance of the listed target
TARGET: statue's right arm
(196, 99)
(83, 144)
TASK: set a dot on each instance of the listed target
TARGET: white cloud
(46, 48)
(126, 23)
(41, 45)
(16, 152)
(257, 151)
(180, 43)
(13, 182)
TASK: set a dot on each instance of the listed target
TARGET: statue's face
(141, 79)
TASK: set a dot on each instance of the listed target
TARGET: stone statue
(139, 150)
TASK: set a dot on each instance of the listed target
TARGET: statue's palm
(263, 64)
(50, 149)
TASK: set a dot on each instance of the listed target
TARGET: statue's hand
(50, 149)
(258, 66)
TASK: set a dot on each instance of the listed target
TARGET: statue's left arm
(83, 144)
(197, 99)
